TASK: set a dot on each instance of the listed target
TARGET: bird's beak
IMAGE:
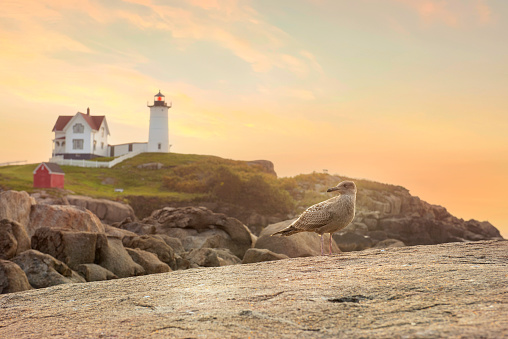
(332, 189)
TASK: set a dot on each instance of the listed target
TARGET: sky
(406, 92)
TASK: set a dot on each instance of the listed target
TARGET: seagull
(328, 216)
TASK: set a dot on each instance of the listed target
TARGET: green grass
(189, 178)
(17, 177)
(101, 182)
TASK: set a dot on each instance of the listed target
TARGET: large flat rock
(448, 290)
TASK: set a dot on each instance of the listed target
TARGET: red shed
(48, 175)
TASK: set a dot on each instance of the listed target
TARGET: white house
(81, 136)
(85, 136)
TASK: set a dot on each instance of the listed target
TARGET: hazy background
(408, 92)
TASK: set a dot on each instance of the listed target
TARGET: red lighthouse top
(159, 100)
(159, 97)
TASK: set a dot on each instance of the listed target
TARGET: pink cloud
(452, 13)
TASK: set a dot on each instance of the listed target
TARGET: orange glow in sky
(407, 92)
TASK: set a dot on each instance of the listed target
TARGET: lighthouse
(158, 133)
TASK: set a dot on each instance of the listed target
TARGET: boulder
(117, 232)
(13, 239)
(42, 270)
(94, 272)
(265, 165)
(371, 223)
(182, 263)
(108, 211)
(148, 261)
(70, 247)
(202, 224)
(392, 210)
(153, 244)
(377, 235)
(114, 257)
(63, 217)
(12, 278)
(136, 227)
(348, 241)
(212, 257)
(16, 206)
(483, 228)
(43, 198)
(304, 244)
(260, 254)
(389, 243)
(174, 243)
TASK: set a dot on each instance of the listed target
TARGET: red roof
(94, 121)
(52, 168)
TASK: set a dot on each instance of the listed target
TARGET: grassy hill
(182, 178)
(187, 178)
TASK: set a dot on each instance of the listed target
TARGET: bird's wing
(314, 217)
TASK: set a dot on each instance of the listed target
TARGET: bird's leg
(322, 235)
(330, 244)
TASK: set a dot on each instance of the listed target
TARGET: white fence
(12, 163)
(93, 163)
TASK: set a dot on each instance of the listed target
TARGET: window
(159, 145)
(102, 145)
(102, 129)
(130, 147)
(78, 128)
(63, 143)
(94, 145)
(77, 144)
(57, 144)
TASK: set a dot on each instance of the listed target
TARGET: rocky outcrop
(42, 270)
(93, 272)
(212, 257)
(265, 166)
(136, 227)
(13, 239)
(108, 211)
(254, 255)
(152, 244)
(395, 214)
(455, 290)
(350, 241)
(63, 217)
(391, 212)
(303, 244)
(114, 257)
(12, 278)
(198, 227)
(71, 248)
(16, 206)
(149, 261)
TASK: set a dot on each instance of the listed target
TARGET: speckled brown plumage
(328, 216)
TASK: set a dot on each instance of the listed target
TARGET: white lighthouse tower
(158, 134)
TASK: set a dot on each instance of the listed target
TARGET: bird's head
(344, 187)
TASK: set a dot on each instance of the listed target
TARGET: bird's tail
(287, 231)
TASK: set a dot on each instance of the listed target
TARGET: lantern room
(159, 99)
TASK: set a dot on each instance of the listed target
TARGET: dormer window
(78, 128)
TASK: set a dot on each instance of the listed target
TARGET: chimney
(88, 111)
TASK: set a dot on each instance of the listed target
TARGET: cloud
(452, 13)
(231, 25)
